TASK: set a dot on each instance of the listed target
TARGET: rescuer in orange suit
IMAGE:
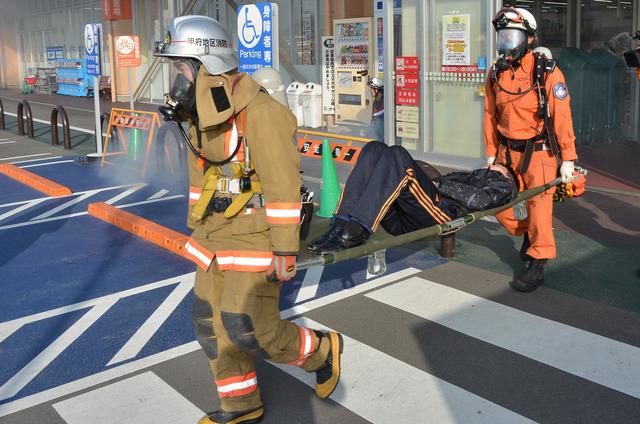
(528, 126)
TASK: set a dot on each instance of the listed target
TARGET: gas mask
(511, 46)
(181, 100)
(214, 100)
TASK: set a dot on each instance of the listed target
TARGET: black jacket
(464, 192)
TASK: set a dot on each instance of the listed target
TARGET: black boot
(249, 416)
(532, 278)
(328, 375)
(524, 257)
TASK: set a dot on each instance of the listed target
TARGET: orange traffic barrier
(148, 230)
(34, 181)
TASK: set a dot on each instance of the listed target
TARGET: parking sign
(257, 37)
(92, 48)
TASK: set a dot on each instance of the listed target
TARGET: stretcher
(375, 246)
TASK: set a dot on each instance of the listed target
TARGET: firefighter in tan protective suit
(528, 127)
(244, 208)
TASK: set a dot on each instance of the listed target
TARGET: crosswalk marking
(383, 389)
(142, 399)
(596, 358)
(8, 327)
(73, 215)
(65, 205)
(36, 160)
(7, 142)
(159, 194)
(142, 336)
(26, 156)
(22, 208)
(125, 194)
(45, 164)
(310, 284)
(44, 358)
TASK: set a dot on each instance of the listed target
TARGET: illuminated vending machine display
(354, 62)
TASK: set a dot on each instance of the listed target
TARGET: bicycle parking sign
(128, 51)
(92, 48)
(258, 36)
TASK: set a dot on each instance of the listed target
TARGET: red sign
(340, 152)
(407, 97)
(128, 51)
(407, 63)
(407, 80)
(113, 10)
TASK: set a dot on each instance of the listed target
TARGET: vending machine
(354, 64)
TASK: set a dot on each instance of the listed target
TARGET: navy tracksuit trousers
(387, 187)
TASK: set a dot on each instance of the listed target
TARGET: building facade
(434, 95)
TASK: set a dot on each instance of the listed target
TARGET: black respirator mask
(180, 102)
(512, 46)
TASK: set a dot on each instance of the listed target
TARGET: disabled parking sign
(258, 37)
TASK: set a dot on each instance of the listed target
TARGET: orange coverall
(515, 117)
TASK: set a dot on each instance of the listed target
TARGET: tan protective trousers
(542, 169)
(237, 320)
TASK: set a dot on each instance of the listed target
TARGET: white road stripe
(310, 284)
(7, 142)
(130, 367)
(125, 194)
(40, 362)
(3, 139)
(35, 160)
(72, 202)
(21, 208)
(68, 195)
(596, 358)
(73, 215)
(134, 345)
(397, 392)
(26, 156)
(46, 164)
(141, 399)
(159, 194)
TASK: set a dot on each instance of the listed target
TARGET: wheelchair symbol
(250, 25)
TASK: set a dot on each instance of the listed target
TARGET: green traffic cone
(134, 144)
(329, 186)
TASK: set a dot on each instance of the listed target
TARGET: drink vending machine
(354, 64)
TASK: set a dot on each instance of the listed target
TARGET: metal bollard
(2, 127)
(448, 245)
(23, 106)
(59, 111)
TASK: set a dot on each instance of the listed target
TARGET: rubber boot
(532, 278)
(328, 375)
(234, 417)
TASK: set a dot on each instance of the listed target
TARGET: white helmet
(376, 83)
(202, 38)
(271, 81)
(509, 17)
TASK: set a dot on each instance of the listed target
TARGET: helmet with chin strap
(514, 27)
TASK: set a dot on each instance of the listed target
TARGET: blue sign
(257, 36)
(92, 48)
(55, 52)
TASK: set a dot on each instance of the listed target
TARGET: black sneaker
(328, 375)
(532, 278)
(234, 417)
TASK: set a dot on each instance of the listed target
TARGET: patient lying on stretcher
(387, 187)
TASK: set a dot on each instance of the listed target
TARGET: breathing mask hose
(494, 77)
(199, 155)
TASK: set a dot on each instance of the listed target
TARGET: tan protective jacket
(248, 241)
